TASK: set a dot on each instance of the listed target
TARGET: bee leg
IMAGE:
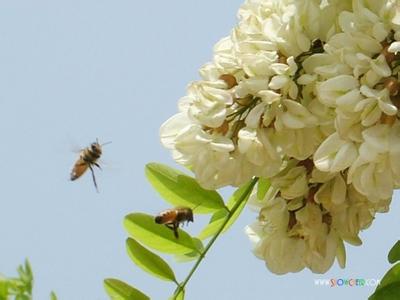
(97, 165)
(170, 226)
(94, 178)
(174, 227)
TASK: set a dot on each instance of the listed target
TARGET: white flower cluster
(306, 94)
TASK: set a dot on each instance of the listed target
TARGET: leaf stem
(243, 197)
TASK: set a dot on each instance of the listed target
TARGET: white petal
(170, 129)
(334, 154)
(394, 47)
(278, 82)
(331, 89)
(253, 118)
(222, 144)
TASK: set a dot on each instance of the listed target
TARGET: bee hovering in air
(87, 159)
(173, 217)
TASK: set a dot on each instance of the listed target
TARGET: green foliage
(390, 277)
(148, 261)
(19, 288)
(220, 216)
(53, 296)
(262, 188)
(118, 290)
(179, 295)
(180, 189)
(394, 253)
(389, 287)
(191, 255)
(389, 292)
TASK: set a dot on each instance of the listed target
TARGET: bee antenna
(106, 143)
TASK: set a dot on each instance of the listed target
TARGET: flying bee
(88, 158)
(173, 217)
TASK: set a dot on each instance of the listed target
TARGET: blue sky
(72, 71)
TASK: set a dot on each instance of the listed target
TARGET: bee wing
(108, 165)
(79, 168)
(76, 149)
(73, 145)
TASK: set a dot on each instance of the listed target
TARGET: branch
(243, 197)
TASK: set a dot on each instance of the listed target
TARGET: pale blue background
(71, 71)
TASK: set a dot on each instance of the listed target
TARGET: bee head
(189, 215)
(95, 147)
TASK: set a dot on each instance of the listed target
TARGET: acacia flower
(306, 94)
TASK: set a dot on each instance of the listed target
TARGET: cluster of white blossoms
(306, 94)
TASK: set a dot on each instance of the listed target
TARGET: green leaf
(148, 261)
(179, 296)
(191, 255)
(262, 188)
(3, 289)
(394, 253)
(144, 229)
(118, 290)
(234, 199)
(214, 225)
(180, 189)
(53, 296)
(28, 269)
(389, 292)
(393, 275)
(25, 274)
(218, 218)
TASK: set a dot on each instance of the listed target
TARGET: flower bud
(229, 79)
(392, 85)
(223, 129)
(244, 101)
(389, 56)
(386, 119)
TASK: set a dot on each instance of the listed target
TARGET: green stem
(243, 197)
